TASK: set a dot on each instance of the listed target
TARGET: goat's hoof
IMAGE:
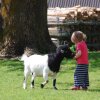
(42, 86)
(55, 88)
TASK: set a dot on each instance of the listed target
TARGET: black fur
(32, 83)
(54, 84)
(42, 86)
(55, 59)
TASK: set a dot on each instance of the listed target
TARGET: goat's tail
(24, 57)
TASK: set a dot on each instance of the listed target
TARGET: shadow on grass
(16, 66)
(94, 59)
(12, 65)
(94, 90)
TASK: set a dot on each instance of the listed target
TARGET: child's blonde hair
(80, 35)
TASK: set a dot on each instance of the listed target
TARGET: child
(81, 79)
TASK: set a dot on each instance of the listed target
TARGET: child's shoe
(75, 88)
(84, 88)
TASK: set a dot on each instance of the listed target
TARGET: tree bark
(27, 29)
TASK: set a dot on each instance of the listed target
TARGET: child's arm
(78, 54)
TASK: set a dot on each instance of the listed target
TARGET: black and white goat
(45, 65)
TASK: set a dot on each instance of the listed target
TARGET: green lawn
(11, 79)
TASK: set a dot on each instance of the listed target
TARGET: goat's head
(65, 51)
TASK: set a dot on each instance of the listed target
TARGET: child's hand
(78, 54)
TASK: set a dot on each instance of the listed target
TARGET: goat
(45, 65)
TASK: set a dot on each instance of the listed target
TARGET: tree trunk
(27, 29)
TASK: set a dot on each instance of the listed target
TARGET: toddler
(81, 79)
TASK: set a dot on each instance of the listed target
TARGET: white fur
(38, 65)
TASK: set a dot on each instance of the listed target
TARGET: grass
(11, 79)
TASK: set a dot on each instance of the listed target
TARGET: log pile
(83, 14)
(76, 13)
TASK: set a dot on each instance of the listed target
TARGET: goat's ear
(62, 51)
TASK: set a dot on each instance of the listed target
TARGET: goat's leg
(32, 81)
(25, 79)
(54, 81)
(45, 76)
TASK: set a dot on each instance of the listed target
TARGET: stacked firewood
(83, 14)
(76, 13)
